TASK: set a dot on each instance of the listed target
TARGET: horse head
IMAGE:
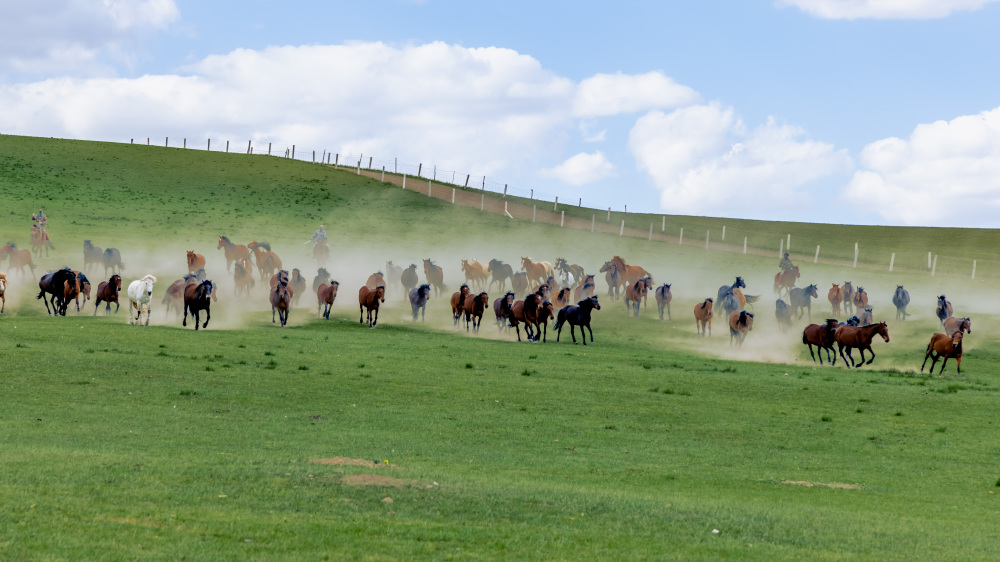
(380, 293)
(883, 330)
(813, 291)
(956, 339)
(739, 284)
(596, 305)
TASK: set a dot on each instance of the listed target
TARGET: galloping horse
(267, 261)
(243, 276)
(321, 252)
(663, 298)
(952, 325)
(860, 337)
(84, 289)
(860, 299)
(585, 291)
(198, 297)
(944, 309)
(847, 290)
(836, 297)
(175, 292)
(545, 312)
(944, 346)
(783, 314)
(519, 283)
(458, 303)
(91, 254)
(475, 306)
(39, 240)
(802, 298)
(568, 271)
(326, 293)
(500, 272)
(740, 323)
(867, 317)
(537, 271)
(613, 277)
(475, 273)
(63, 285)
(629, 274)
(112, 259)
(728, 299)
(297, 286)
(502, 309)
(703, 317)
(140, 295)
(435, 277)
(525, 311)
(578, 315)
(374, 280)
(418, 301)
(784, 281)
(822, 336)
(233, 252)
(409, 278)
(634, 293)
(280, 298)
(18, 258)
(901, 298)
(563, 297)
(369, 299)
(3, 291)
(108, 291)
(195, 261)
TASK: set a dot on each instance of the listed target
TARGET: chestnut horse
(474, 307)
(435, 277)
(703, 317)
(297, 286)
(408, 278)
(629, 273)
(836, 296)
(563, 298)
(369, 299)
(267, 261)
(243, 276)
(374, 280)
(175, 293)
(233, 252)
(195, 261)
(784, 281)
(634, 293)
(740, 323)
(502, 310)
(822, 336)
(326, 293)
(545, 312)
(19, 259)
(198, 297)
(536, 271)
(280, 298)
(525, 311)
(584, 291)
(847, 291)
(108, 292)
(944, 346)
(860, 337)
(458, 303)
(860, 299)
(475, 273)
(663, 298)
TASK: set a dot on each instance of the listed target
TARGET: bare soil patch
(837, 485)
(346, 461)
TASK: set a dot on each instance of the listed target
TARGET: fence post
(435, 177)
(707, 232)
(314, 157)
(680, 239)
(556, 204)
(973, 269)
(663, 226)
(147, 141)
(293, 149)
(404, 181)
(723, 233)
(166, 142)
(534, 208)
(928, 260)
(744, 245)
(892, 261)
(609, 214)
(650, 232)
(781, 248)
(562, 219)
(420, 168)
(428, 188)
(532, 194)
(622, 231)
(934, 265)
(227, 148)
(579, 203)
(383, 174)
(467, 180)
(453, 196)
(816, 257)
(484, 183)
(249, 145)
(593, 220)
(185, 142)
(395, 165)
(336, 158)
(369, 162)
(482, 203)
(209, 145)
(359, 167)
(268, 149)
(505, 210)
(855, 255)
(504, 191)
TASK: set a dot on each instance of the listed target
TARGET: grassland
(160, 443)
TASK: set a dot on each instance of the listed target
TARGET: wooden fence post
(404, 181)
(562, 219)
(504, 191)
(369, 162)
(467, 176)
(453, 196)
(209, 145)
(723, 233)
(482, 203)
(855, 255)
(383, 174)
(579, 203)
(249, 145)
(268, 149)
(788, 245)
(680, 239)
(707, 232)
(314, 157)
(816, 257)
(892, 261)
(593, 221)
(622, 231)
(227, 147)
(534, 208)
(428, 188)
(293, 149)
(420, 168)
(555, 205)
(663, 226)
(166, 142)
(934, 266)
(973, 269)
(185, 142)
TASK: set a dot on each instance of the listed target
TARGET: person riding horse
(318, 237)
(38, 221)
(786, 263)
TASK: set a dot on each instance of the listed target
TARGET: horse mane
(264, 245)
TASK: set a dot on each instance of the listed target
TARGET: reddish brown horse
(629, 273)
(519, 283)
(280, 298)
(243, 276)
(525, 311)
(408, 278)
(474, 307)
(297, 285)
(944, 346)
(476, 273)
(374, 280)
(836, 296)
(198, 297)
(435, 277)
(279, 277)
(326, 294)
(195, 261)
(84, 289)
(369, 299)
(563, 298)
(267, 261)
(108, 292)
(233, 252)
(740, 323)
(502, 309)
(458, 303)
(703, 317)
(860, 299)
(545, 312)
(952, 325)
(634, 293)
(584, 291)
(860, 337)
(536, 271)
(784, 281)
(19, 259)
(822, 336)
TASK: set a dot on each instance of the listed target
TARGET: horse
(944, 346)
(140, 295)
(475, 273)
(91, 254)
(629, 273)
(198, 297)
(112, 259)
(392, 273)
(499, 272)
(297, 286)
(536, 271)
(175, 292)
(613, 276)
(243, 276)
(848, 292)
(3, 291)
(663, 298)
(525, 311)
(267, 261)
(458, 302)
(435, 277)
(635, 293)
(194, 261)
(374, 280)
(822, 336)
(108, 291)
(703, 317)
(39, 240)
(584, 291)
(740, 323)
(326, 293)
(84, 289)
(322, 276)
(63, 285)
(544, 313)
(279, 277)
(727, 298)
(233, 252)
(409, 278)
(944, 309)
(866, 317)
(370, 299)
(19, 259)
(860, 299)
(280, 298)
(568, 273)
(578, 315)
(783, 314)
(952, 325)
(835, 296)
(544, 291)
(860, 337)
(418, 301)
(502, 309)
(802, 299)
(519, 283)
(563, 297)
(321, 252)
(784, 281)
(474, 307)
(901, 298)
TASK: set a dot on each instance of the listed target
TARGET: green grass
(123, 442)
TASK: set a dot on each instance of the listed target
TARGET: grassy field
(161, 443)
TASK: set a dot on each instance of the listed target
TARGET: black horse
(112, 260)
(577, 315)
(901, 298)
(727, 300)
(500, 272)
(56, 284)
(322, 276)
(91, 254)
(944, 309)
(802, 298)
(418, 301)
(197, 298)
(783, 314)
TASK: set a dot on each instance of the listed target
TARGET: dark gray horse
(944, 309)
(783, 313)
(802, 298)
(418, 301)
(848, 291)
(500, 272)
(727, 300)
(901, 298)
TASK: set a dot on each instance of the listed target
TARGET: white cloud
(704, 161)
(947, 173)
(48, 36)
(582, 169)
(883, 9)
(613, 94)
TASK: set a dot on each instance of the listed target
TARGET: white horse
(140, 293)
(566, 278)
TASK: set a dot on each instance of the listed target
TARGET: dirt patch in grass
(345, 461)
(838, 485)
(376, 480)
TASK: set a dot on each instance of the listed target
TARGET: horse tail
(560, 319)
(751, 298)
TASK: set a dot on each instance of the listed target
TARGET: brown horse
(195, 261)
(860, 299)
(847, 290)
(519, 283)
(435, 277)
(784, 281)
(408, 278)
(584, 291)
(63, 285)
(536, 271)
(663, 298)
(458, 303)
(19, 259)
(326, 294)
(280, 298)
(836, 296)
(703, 317)
(3, 292)
(234, 252)
(369, 299)
(279, 277)
(108, 292)
(860, 337)
(563, 298)
(84, 289)
(243, 276)
(952, 325)
(502, 310)
(476, 273)
(198, 297)
(635, 292)
(525, 311)
(175, 293)
(630, 273)
(740, 323)
(944, 309)
(91, 254)
(944, 346)
(474, 307)
(267, 261)
(822, 336)
(613, 277)
(39, 240)
(545, 312)
(374, 280)
(297, 286)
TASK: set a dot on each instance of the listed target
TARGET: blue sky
(843, 111)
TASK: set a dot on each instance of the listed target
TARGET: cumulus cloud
(581, 169)
(947, 173)
(613, 94)
(883, 9)
(47, 36)
(705, 161)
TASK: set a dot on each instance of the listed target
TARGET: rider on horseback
(318, 237)
(786, 263)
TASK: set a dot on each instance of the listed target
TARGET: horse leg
(208, 316)
(374, 322)
(840, 349)
(872, 353)
(814, 357)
